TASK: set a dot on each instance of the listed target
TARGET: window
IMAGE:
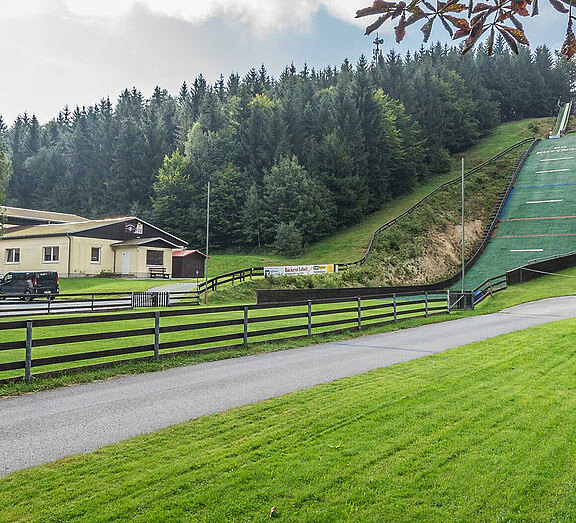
(12, 255)
(154, 257)
(51, 254)
(95, 255)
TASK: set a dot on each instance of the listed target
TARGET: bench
(159, 271)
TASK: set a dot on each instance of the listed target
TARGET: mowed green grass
(479, 433)
(349, 245)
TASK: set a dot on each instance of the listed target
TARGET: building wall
(32, 255)
(143, 269)
(81, 261)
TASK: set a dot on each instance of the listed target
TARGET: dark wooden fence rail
(378, 310)
(234, 277)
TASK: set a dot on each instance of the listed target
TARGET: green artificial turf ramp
(539, 219)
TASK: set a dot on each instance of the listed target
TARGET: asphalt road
(45, 426)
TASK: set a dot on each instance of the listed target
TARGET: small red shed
(188, 264)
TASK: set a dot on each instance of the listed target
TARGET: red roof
(182, 254)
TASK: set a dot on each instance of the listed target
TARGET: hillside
(349, 245)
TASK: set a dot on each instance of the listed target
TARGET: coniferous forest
(290, 159)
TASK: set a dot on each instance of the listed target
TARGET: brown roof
(182, 254)
(60, 217)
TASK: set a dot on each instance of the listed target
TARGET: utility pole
(463, 234)
(207, 244)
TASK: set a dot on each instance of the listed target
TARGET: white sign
(299, 270)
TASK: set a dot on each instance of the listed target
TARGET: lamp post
(463, 234)
(207, 244)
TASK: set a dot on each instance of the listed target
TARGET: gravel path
(42, 427)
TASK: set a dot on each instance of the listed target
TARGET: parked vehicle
(28, 285)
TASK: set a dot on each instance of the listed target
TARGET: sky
(75, 52)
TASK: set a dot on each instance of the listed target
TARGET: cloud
(262, 16)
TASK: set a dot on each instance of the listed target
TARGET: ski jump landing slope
(539, 219)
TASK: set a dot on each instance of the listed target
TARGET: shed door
(125, 263)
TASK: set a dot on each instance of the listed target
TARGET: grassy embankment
(478, 433)
(563, 284)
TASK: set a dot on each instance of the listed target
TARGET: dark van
(28, 284)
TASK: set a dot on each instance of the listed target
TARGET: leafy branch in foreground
(471, 21)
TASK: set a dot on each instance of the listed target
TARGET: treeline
(289, 159)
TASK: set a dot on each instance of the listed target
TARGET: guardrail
(158, 332)
(535, 268)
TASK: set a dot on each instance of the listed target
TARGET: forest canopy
(290, 159)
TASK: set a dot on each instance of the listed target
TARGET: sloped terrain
(539, 219)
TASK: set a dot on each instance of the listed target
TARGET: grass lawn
(479, 433)
(350, 244)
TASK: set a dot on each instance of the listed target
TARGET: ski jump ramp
(539, 218)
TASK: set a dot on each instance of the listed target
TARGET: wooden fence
(29, 344)
(234, 277)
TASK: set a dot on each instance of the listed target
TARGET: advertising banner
(299, 270)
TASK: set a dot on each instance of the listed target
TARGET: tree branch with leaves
(471, 21)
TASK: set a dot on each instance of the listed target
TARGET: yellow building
(75, 246)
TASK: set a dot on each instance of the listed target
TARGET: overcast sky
(75, 52)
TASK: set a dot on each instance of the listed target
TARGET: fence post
(359, 313)
(49, 300)
(28, 362)
(233, 275)
(132, 300)
(309, 317)
(92, 303)
(448, 301)
(491, 292)
(245, 326)
(426, 304)
(156, 336)
(251, 273)
(394, 303)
